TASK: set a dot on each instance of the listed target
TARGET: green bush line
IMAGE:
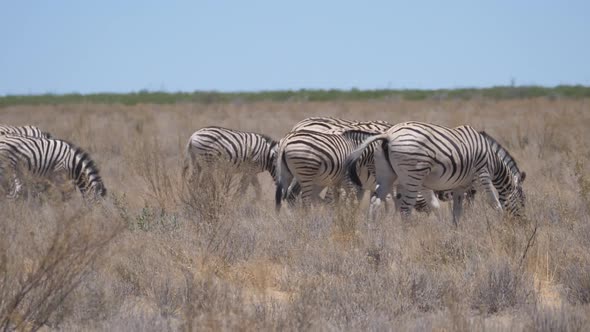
(147, 97)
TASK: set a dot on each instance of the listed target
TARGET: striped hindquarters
(316, 160)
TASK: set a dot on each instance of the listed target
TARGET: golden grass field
(153, 258)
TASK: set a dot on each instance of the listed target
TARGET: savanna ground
(154, 258)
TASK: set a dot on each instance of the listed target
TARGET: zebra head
(269, 156)
(86, 175)
(515, 202)
(507, 179)
(273, 160)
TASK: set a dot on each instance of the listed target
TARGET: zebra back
(27, 130)
(330, 124)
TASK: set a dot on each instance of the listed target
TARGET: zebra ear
(522, 176)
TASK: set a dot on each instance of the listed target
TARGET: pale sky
(125, 46)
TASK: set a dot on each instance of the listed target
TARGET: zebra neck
(503, 178)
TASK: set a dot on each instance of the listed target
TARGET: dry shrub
(576, 280)
(210, 259)
(583, 182)
(47, 251)
(346, 216)
(422, 289)
(209, 193)
(499, 286)
(160, 178)
(563, 318)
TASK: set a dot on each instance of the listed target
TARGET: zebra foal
(47, 158)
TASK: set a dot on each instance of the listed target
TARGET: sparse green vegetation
(207, 97)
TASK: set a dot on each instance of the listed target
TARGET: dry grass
(156, 257)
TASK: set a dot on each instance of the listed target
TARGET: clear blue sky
(122, 46)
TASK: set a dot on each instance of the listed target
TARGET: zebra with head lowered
(250, 153)
(31, 131)
(428, 156)
(47, 158)
(316, 161)
(332, 125)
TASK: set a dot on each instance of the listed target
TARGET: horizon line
(230, 92)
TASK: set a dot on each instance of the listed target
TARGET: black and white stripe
(423, 156)
(250, 153)
(337, 126)
(28, 130)
(331, 125)
(48, 158)
(316, 161)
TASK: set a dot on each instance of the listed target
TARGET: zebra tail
(186, 165)
(353, 157)
(281, 171)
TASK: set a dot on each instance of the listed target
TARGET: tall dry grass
(156, 256)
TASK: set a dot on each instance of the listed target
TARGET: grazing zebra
(337, 125)
(48, 158)
(23, 130)
(333, 125)
(251, 153)
(427, 156)
(316, 161)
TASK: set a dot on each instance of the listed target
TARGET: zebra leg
(292, 192)
(380, 195)
(432, 202)
(18, 185)
(457, 206)
(331, 195)
(310, 193)
(407, 201)
(490, 192)
(470, 197)
(257, 188)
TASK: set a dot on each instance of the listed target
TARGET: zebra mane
(269, 140)
(503, 154)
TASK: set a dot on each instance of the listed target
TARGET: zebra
(316, 161)
(428, 156)
(251, 153)
(28, 130)
(48, 158)
(338, 125)
(324, 124)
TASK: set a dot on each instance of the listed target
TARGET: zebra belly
(437, 181)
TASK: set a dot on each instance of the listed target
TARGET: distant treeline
(148, 97)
